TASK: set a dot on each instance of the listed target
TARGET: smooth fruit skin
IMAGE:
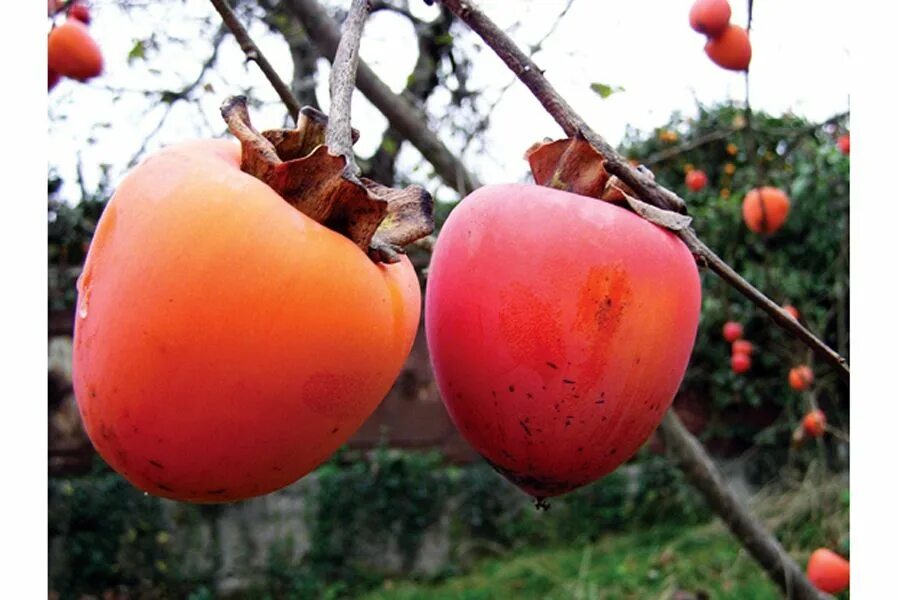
(226, 344)
(776, 208)
(71, 51)
(814, 423)
(843, 143)
(732, 331)
(710, 17)
(828, 571)
(696, 180)
(740, 362)
(731, 50)
(559, 328)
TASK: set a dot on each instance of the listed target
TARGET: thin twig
(339, 135)
(252, 52)
(647, 189)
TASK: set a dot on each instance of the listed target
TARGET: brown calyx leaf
(573, 165)
(298, 165)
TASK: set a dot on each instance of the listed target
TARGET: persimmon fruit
(710, 17)
(801, 377)
(559, 328)
(732, 331)
(731, 49)
(742, 347)
(696, 180)
(843, 143)
(814, 423)
(828, 571)
(225, 343)
(72, 52)
(52, 79)
(792, 311)
(80, 11)
(765, 209)
(740, 362)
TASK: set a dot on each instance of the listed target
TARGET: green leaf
(137, 52)
(605, 90)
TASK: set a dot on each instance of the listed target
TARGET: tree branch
(646, 188)
(763, 546)
(407, 119)
(339, 133)
(252, 52)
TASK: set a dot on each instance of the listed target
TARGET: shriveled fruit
(696, 180)
(814, 423)
(732, 331)
(828, 571)
(72, 52)
(731, 50)
(742, 347)
(801, 377)
(740, 362)
(765, 209)
(710, 17)
(563, 362)
(843, 143)
(226, 343)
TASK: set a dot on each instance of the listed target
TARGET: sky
(800, 63)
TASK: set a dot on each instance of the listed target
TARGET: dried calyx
(573, 165)
(298, 165)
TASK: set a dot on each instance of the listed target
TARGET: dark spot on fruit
(458, 395)
(530, 395)
(507, 454)
(556, 406)
(493, 392)
(511, 388)
(217, 492)
(134, 429)
(335, 430)
(551, 365)
(613, 451)
(164, 487)
(580, 449)
(92, 391)
(569, 381)
(156, 464)
(278, 469)
(544, 387)
(604, 419)
(637, 361)
(568, 421)
(524, 426)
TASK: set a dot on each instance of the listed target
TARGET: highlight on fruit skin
(696, 180)
(732, 331)
(765, 209)
(801, 377)
(710, 17)
(828, 571)
(72, 52)
(731, 50)
(814, 423)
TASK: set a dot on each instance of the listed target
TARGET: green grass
(646, 564)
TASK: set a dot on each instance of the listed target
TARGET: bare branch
(647, 189)
(252, 52)
(763, 546)
(338, 135)
(407, 119)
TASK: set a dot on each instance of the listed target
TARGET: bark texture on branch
(408, 120)
(646, 188)
(763, 546)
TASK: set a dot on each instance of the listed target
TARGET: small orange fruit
(765, 209)
(801, 377)
(731, 50)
